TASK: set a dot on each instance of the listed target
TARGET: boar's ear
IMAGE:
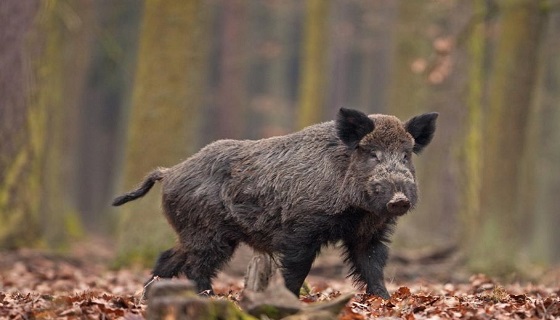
(422, 129)
(352, 126)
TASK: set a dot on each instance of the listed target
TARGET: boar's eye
(406, 157)
(375, 156)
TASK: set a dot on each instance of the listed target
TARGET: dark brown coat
(346, 180)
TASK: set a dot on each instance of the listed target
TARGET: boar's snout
(399, 204)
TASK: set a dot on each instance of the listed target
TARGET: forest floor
(38, 285)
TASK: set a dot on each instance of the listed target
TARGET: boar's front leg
(367, 266)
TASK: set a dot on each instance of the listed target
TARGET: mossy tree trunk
(36, 195)
(408, 88)
(472, 151)
(313, 64)
(162, 117)
(511, 87)
(22, 146)
(66, 55)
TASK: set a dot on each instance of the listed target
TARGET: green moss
(270, 311)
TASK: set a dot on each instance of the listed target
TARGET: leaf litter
(34, 285)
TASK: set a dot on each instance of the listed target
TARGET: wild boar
(344, 181)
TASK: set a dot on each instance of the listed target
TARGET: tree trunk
(69, 37)
(276, 116)
(472, 151)
(313, 64)
(341, 42)
(544, 247)
(408, 94)
(102, 106)
(427, 76)
(376, 43)
(22, 145)
(42, 154)
(231, 99)
(161, 126)
(511, 88)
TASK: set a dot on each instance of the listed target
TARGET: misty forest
(95, 95)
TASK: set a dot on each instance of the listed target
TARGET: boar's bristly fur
(341, 181)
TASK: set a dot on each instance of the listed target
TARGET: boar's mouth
(398, 205)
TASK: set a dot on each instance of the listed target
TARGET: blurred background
(95, 94)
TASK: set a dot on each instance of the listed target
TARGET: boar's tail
(146, 185)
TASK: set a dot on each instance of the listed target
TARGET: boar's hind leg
(296, 262)
(168, 264)
(204, 259)
(367, 266)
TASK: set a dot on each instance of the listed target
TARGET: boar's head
(380, 174)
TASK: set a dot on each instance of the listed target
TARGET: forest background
(95, 94)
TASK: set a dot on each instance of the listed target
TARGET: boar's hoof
(399, 205)
(379, 291)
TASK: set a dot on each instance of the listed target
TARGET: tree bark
(313, 62)
(376, 43)
(102, 105)
(472, 153)
(544, 246)
(276, 116)
(231, 112)
(21, 147)
(511, 88)
(341, 39)
(162, 117)
(66, 56)
(37, 192)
